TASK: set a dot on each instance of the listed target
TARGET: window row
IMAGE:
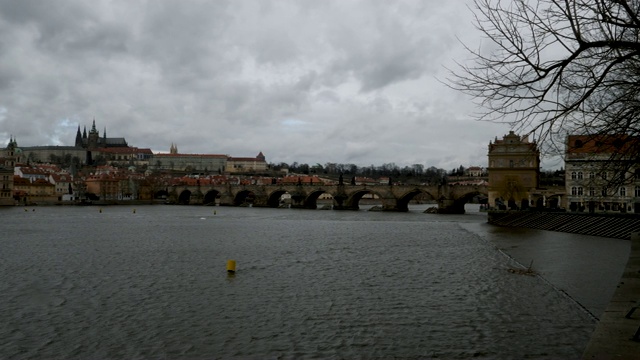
(579, 175)
(622, 191)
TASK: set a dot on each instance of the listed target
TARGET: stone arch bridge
(450, 198)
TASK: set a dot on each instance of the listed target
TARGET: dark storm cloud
(306, 81)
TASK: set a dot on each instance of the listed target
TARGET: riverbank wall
(618, 225)
(617, 335)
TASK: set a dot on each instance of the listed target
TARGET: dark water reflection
(79, 283)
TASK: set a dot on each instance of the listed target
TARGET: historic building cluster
(100, 167)
(596, 180)
(118, 171)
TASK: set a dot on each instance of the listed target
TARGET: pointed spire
(93, 127)
(84, 133)
(78, 137)
(104, 134)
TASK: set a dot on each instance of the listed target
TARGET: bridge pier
(447, 206)
(227, 199)
(298, 199)
(341, 201)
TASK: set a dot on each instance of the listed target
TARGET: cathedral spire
(78, 137)
(93, 127)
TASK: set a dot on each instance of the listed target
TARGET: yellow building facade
(514, 171)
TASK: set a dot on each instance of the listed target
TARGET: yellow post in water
(231, 266)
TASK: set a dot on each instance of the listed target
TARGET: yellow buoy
(231, 266)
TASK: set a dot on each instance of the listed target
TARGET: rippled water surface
(84, 282)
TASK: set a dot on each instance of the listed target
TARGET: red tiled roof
(600, 144)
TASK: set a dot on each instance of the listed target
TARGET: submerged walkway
(617, 335)
(618, 226)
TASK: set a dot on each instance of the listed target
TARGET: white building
(598, 179)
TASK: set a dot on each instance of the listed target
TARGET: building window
(574, 190)
(592, 175)
(637, 191)
(579, 175)
(592, 191)
(622, 191)
(580, 190)
(573, 175)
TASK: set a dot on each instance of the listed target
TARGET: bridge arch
(403, 201)
(184, 198)
(311, 201)
(273, 199)
(461, 200)
(244, 197)
(161, 194)
(210, 197)
(353, 201)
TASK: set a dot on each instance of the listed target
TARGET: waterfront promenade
(617, 335)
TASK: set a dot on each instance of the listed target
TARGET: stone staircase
(619, 226)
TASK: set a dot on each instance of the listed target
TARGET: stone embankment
(618, 226)
(617, 335)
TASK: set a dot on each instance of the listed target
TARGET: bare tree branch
(554, 67)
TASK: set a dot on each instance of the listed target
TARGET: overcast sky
(307, 81)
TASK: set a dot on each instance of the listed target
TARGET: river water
(151, 282)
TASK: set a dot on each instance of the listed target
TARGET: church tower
(173, 149)
(78, 138)
(12, 154)
(94, 136)
(6, 172)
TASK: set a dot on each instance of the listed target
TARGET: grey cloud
(302, 81)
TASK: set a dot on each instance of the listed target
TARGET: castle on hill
(91, 148)
(92, 140)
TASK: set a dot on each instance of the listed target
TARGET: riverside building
(598, 177)
(514, 171)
